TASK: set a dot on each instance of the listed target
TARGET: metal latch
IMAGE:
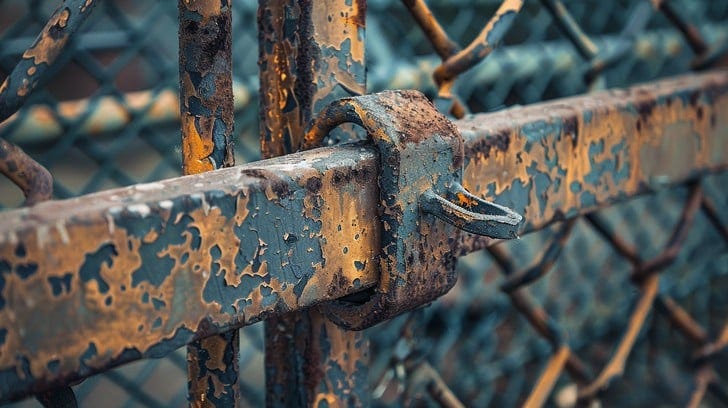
(422, 156)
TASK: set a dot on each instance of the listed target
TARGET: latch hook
(422, 157)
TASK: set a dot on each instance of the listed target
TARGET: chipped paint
(207, 120)
(102, 283)
(310, 53)
(602, 147)
(206, 87)
(42, 55)
(421, 155)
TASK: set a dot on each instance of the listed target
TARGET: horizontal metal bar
(95, 281)
(105, 114)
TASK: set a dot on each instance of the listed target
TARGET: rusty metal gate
(543, 222)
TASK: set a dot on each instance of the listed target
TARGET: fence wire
(627, 303)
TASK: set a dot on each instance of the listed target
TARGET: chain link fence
(108, 118)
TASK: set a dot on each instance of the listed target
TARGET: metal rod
(138, 272)
(311, 53)
(441, 42)
(571, 29)
(207, 110)
(42, 55)
(32, 178)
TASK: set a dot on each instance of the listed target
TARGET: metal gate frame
(298, 240)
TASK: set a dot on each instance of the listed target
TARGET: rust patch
(51, 41)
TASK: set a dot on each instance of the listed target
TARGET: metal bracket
(420, 180)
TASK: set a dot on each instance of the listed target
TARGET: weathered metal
(441, 42)
(552, 252)
(207, 109)
(108, 114)
(706, 55)
(311, 53)
(421, 158)
(609, 56)
(690, 31)
(212, 370)
(138, 272)
(612, 144)
(206, 92)
(331, 365)
(540, 320)
(548, 378)
(42, 55)
(489, 37)
(33, 179)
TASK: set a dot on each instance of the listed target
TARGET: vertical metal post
(207, 115)
(311, 52)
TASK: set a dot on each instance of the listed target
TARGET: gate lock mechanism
(421, 156)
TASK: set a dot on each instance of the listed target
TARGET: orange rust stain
(346, 23)
(196, 148)
(24, 88)
(46, 49)
(86, 5)
(466, 201)
(119, 319)
(478, 49)
(199, 385)
(84, 299)
(216, 230)
(215, 345)
(280, 84)
(342, 221)
(347, 348)
(206, 8)
(217, 385)
(644, 147)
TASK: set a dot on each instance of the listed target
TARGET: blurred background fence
(108, 118)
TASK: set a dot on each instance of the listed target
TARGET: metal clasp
(422, 157)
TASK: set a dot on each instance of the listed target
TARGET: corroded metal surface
(155, 266)
(44, 52)
(557, 159)
(206, 87)
(480, 47)
(454, 59)
(566, 23)
(421, 156)
(330, 368)
(35, 181)
(212, 370)
(207, 109)
(310, 53)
